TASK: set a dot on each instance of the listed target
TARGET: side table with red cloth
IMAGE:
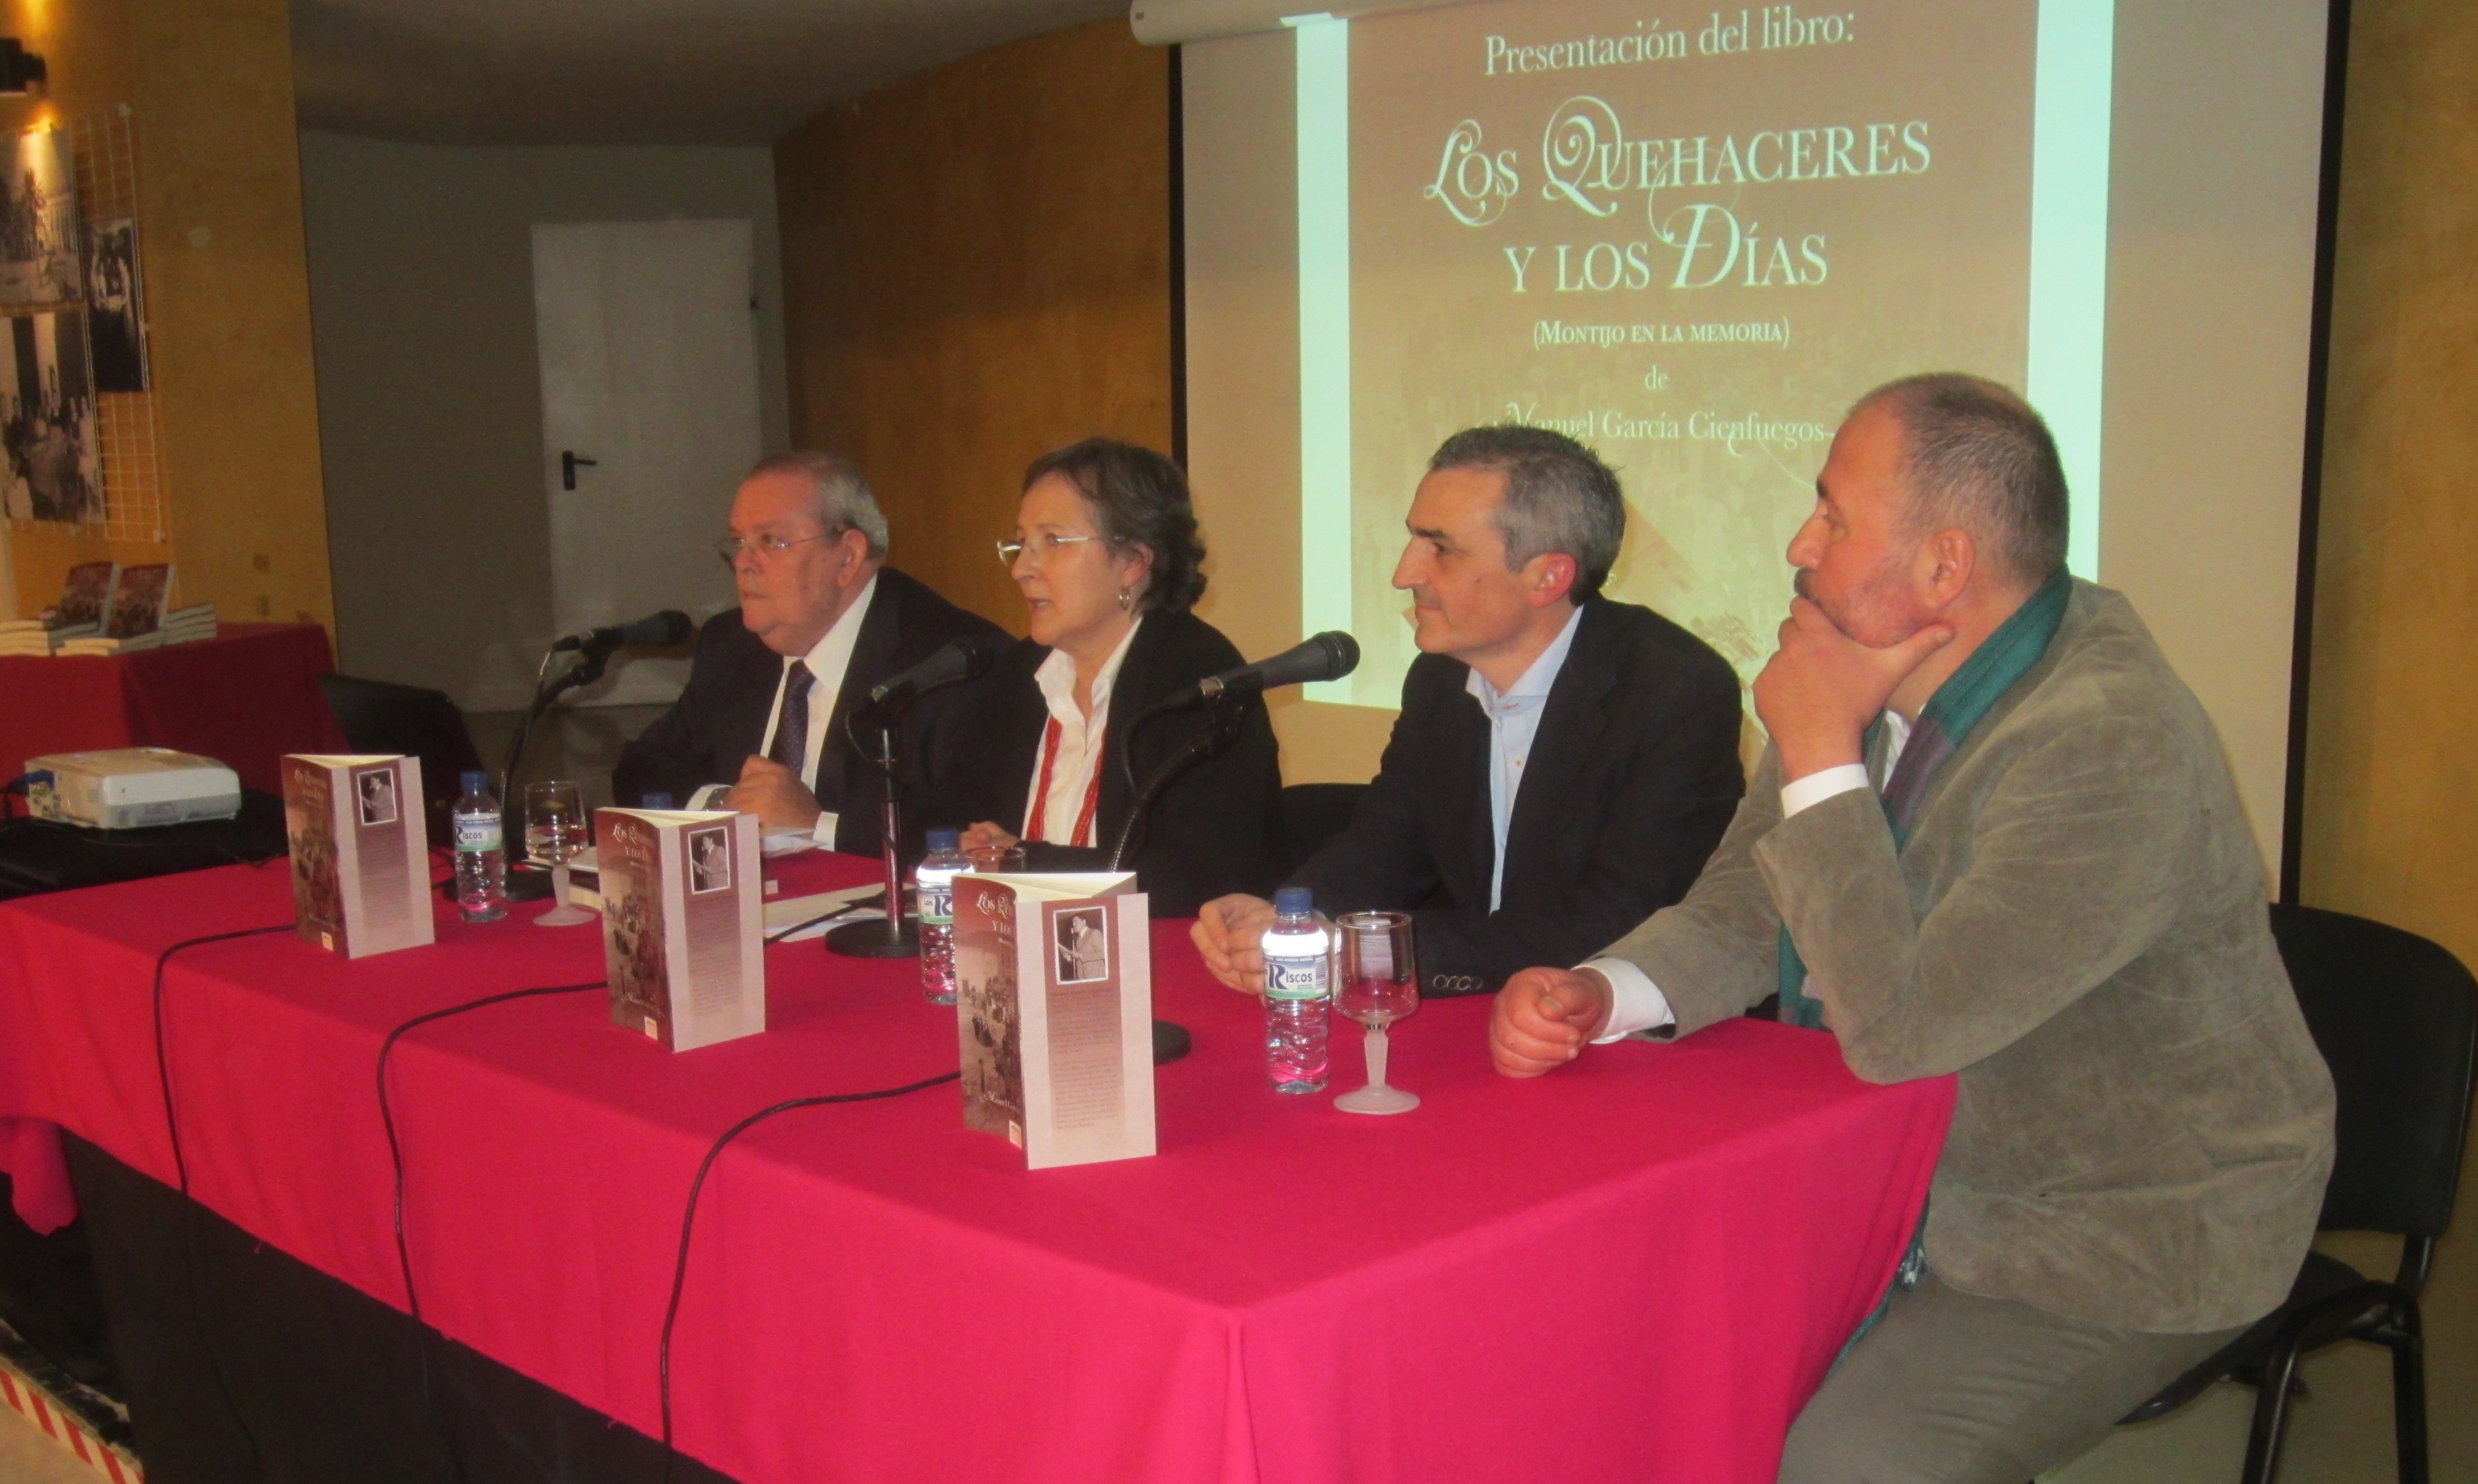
(1664, 1246)
(245, 698)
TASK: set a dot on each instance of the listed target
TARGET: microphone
(957, 661)
(662, 631)
(1326, 656)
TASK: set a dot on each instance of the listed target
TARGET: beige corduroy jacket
(2078, 929)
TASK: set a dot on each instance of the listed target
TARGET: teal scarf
(1959, 705)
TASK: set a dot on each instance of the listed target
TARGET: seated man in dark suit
(821, 620)
(1563, 764)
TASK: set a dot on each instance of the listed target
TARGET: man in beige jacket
(1994, 836)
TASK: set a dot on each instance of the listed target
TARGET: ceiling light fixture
(18, 66)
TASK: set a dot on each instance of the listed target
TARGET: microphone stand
(894, 939)
(1224, 714)
(1220, 730)
(527, 882)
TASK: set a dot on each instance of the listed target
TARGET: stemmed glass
(1381, 984)
(556, 831)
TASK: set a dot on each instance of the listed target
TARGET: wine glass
(995, 860)
(556, 831)
(1381, 984)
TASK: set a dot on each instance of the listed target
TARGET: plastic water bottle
(481, 853)
(1298, 993)
(935, 887)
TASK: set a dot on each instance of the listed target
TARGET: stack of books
(182, 625)
(104, 643)
(85, 598)
(35, 636)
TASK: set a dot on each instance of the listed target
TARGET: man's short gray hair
(844, 502)
(1559, 498)
(1977, 457)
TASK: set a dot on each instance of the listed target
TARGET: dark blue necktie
(792, 728)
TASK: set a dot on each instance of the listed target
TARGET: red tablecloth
(245, 698)
(1637, 1268)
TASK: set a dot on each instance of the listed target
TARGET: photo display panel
(1691, 243)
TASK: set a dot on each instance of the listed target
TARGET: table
(1665, 1244)
(245, 698)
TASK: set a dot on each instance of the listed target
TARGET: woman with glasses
(1107, 555)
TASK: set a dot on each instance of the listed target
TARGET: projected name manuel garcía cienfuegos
(1588, 163)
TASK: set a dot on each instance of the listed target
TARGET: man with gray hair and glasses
(760, 728)
(1563, 762)
(1994, 836)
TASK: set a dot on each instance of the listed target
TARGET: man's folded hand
(1544, 1018)
(774, 794)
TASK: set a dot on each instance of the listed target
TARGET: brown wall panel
(210, 85)
(977, 268)
(2391, 812)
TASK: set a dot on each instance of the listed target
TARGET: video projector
(129, 788)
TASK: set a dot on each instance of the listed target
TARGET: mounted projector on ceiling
(18, 67)
(1174, 22)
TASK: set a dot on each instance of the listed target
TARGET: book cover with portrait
(1053, 1006)
(361, 852)
(683, 923)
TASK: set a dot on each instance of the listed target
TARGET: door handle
(569, 464)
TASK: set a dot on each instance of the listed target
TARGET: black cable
(386, 1114)
(181, 1173)
(395, 1164)
(688, 1221)
(163, 1065)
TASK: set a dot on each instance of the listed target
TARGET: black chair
(1312, 814)
(379, 716)
(2396, 1018)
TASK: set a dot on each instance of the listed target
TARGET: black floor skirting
(243, 1365)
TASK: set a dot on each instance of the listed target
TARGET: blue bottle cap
(945, 840)
(476, 781)
(655, 802)
(1294, 901)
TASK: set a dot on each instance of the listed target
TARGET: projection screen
(1691, 238)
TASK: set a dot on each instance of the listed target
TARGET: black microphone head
(663, 631)
(980, 652)
(1344, 649)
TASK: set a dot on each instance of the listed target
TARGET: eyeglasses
(1042, 547)
(767, 544)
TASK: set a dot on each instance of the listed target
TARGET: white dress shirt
(827, 659)
(1513, 726)
(1635, 1002)
(1080, 741)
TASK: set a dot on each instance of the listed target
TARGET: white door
(650, 418)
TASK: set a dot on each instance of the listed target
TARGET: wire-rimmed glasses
(766, 543)
(1042, 547)
(1381, 984)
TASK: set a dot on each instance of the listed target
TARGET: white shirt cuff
(1635, 1002)
(824, 833)
(708, 798)
(1815, 787)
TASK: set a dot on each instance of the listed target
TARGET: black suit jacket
(721, 718)
(1209, 834)
(1631, 781)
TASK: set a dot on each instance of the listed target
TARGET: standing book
(683, 923)
(85, 597)
(1054, 1014)
(138, 601)
(361, 852)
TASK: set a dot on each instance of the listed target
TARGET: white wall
(429, 398)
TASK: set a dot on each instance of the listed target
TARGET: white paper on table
(789, 911)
